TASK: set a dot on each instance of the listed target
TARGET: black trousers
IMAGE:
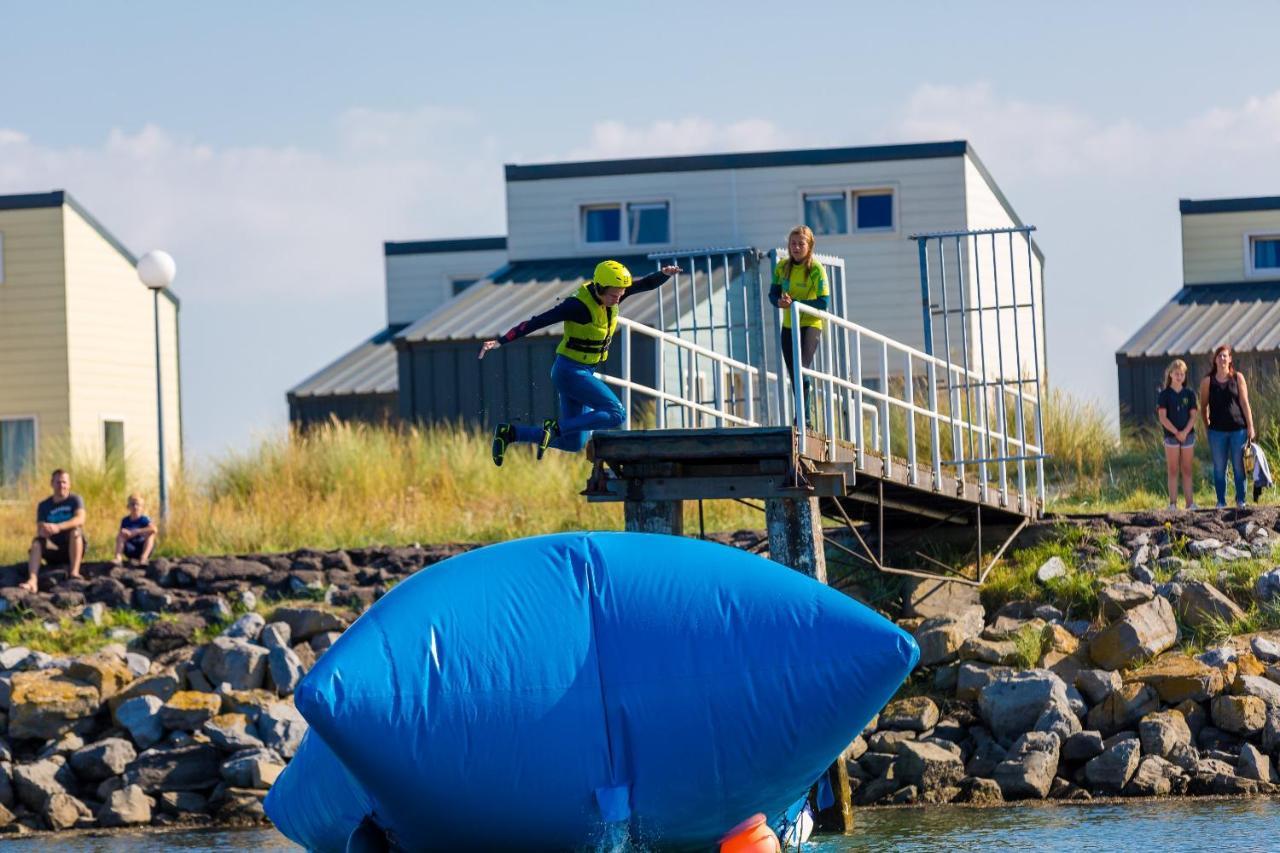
(810, 337)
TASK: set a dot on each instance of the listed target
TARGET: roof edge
(1228, 205)
(741, 160)
(432, 247)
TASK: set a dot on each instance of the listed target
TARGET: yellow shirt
(802, 287)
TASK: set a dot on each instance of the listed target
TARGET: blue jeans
(586, 404)
(1223, 445)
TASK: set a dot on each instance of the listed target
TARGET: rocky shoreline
(186, 718)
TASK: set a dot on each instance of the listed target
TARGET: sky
(271, 148)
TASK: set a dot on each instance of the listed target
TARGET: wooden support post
(795, 535)
(654, 517)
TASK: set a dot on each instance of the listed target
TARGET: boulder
(972, 677)
(927, 766)
(1081, 746)
(1216, 778)
(263, 773)
(928, 598)
(1123, 708)
(188, 710)
(129, 806)
(248, 627)
(102, 760)
(1119, 597)
(276, 635)
(987, 651)
(281, 728)
(237, 771)
(979, 792)
(230, 733)
(46, 704)
(1177, 678)
(1241, 715)
(1253, 685)
(234, 661)
(1155, 777)
(306, 622)
(1013, 705)
(888, 741)
(63, 811)
(185, 768)
(1267, 587)
(182, 803)
(162, 685)
(1265, 650)
(140, 717)
(1160, 732)
(986, 756)
(917, 714)
(108, 673)
(1255, 765)
(1111, 770)
(36, 781)
(1202, 603)
(1029, 770)
(1058, 720)
(1144, 632)
(1204, 547)
(1051, 569)
(1271, 731)
(320, 643)
(286, 671)
(1097, 684)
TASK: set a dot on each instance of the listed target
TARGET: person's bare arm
(1204, 401)
(1163, 417)
(1245, 407)
(74, 521)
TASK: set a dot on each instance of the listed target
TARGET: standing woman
(1175, 410)
(590, 316)
(1224, 407)
(800, 279)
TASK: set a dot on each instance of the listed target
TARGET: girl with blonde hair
(1175, 410)
(800, 279)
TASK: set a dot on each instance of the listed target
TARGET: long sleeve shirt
(574, 311)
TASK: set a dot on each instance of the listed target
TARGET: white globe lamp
(157, 269)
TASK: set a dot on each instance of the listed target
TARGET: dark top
(57, 512)
(1225, 414)
(130, 523)
(573, 309)
(1178, 407)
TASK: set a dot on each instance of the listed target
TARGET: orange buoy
(753, 835)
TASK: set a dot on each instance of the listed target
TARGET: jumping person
(1224, 408)
(1175, 409)
(800, 279)
(590, 317)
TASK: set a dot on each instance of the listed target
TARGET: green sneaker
(503, 437)
(550, 429)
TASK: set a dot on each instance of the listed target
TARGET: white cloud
(690, 135)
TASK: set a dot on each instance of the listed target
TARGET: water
(1133, 827)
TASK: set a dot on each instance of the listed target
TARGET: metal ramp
(879, 432)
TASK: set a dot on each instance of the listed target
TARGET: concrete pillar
(795, 535)
(654, 517)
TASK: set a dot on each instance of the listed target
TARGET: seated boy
(137, 536)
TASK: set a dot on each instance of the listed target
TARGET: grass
(344, 486)
(71, 636)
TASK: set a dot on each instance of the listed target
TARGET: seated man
(59, 531)
(137, 536)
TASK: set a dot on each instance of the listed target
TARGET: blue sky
(272, 147)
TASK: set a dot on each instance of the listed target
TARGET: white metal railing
(842, 390)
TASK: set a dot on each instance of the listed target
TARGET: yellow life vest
(588, 343)
(801, 287)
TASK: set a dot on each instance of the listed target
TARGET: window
(461, 284)
(849, 212)
(113, 445)
(1266, 253)
(17, 449)
(873, 211)
(826, 213)
(649, 222)
(602, 224)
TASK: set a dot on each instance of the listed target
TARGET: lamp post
(156, 270)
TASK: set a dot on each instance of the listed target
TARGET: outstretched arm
(652, 281)
(568, 309)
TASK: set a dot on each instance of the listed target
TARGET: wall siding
(418, 284)
(1213, 249)
(33, 327)
(111, 351)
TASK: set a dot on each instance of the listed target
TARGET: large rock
(1120, 597)
(185, 768)
(986, 755)
(46, 704)
(1162, 731)
(1082, 746)
(188, 710)
(1254, 765)
(108, 673)
(1241, 715)
(1059, 720)
(237, 771)
(1177, 678)
(1097, 684)
(306, 622)
(230, 733)
(286, 670)
(1013, 705)
(129, 806)
(1112, 770)
(140, 717)
(972, 677)
(1202, 603)
(930, 598)
(1255, 685)
(35, 782)
(162, 685)
(63, 811)
(234, 661)
(248, 627)
(1029, 770)
(927, 766)
(941, 637)
(916, 713)
(1123, 709)
(1267, 587)
(979, 792)
(1155, 777)
(1144, 632)
(276, 635)
(1051, 569)
(281, 728)
(102, 760)
(987, 651)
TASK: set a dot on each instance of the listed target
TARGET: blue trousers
(586, 404)
(1223, 445)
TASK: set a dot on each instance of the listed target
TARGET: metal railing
(838, 392)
